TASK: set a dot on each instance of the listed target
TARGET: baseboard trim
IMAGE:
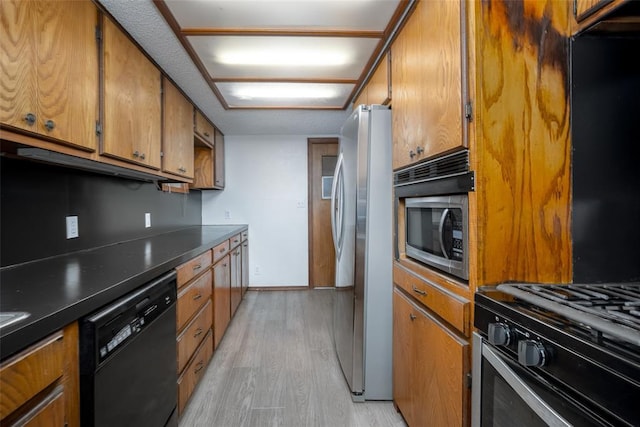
(278, 288)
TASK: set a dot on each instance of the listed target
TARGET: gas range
(582, 340)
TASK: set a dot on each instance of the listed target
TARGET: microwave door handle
(535, 402)
(334, 188)
(443, 217)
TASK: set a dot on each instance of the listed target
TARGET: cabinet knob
(50, 125)
(412, 316)
(419, 150)
(412, 154)
(136, 154)
(142, 156)
(207, 134)
(30, 118)
(182, 169)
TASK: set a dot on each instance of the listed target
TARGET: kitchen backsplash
(36, 198)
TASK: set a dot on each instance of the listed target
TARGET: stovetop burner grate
(611, 309)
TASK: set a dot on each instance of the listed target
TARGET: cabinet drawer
(191, 298)
(191, 269)
(220, 251)
(193, 334)
(452, 308)
(235, 241)
(49, 412)
(30, 372)
(245, 235)
(194, 371)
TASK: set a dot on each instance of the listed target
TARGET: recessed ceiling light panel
(283, 95)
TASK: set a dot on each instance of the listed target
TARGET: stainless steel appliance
(557, 355)
(437, 232)
(128, 359)
(362, 233)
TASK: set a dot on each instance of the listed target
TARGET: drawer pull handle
(197, 297)
(418, 291)
(412, 154)
(199, 367)
(198, 333)
(197, 267)
(224, 265)
(136, 153)
(412, 316)
(222, 250)
(419, 150)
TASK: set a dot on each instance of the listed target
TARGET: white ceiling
(248, 85)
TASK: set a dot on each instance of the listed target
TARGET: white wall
(266, 188)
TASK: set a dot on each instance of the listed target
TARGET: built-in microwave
(436, 232)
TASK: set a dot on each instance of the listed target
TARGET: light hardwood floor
(276, 366)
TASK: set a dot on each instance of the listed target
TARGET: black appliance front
(128, 359)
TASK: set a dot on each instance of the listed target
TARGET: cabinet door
(244, 279)
(49, 57)
(177, 136)
(236, 274)
(378, 86)
(221, 298)
(132, 101)
(426, 80)
(219, 160)
(429, 369)
(203, 128)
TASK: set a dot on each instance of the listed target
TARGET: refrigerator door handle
(335, 204)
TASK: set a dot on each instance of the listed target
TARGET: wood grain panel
(203, 128)
(192, 268)
(218, 171)
(72, 375)
(177, 135)
(235, 240)
(220, 251)
(191, 298)
(30, 372)
(430, 365)
(584, 8)
(132, 101)
(194, 372)
(363, 97)
(450, 307)
(193, 334)
(49, 412)
(18, 56)
(378, 86)
(236, 278)
(221, 298)
(522, 158)
(426, 81)
(202, 167)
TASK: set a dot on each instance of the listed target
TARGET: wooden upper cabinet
(49, 78)
(203, 128)
(132, 101)
(177, 136)
(219, 180)
(427, 84)
(378, 87)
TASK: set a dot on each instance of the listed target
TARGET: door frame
(310, 143)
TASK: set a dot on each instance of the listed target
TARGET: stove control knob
(499, 334)
(531, 353)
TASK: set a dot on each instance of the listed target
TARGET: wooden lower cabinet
(192, 374)
(40, 385)
(430, 366)
(221, 298)
(244, 279)
(236, 278)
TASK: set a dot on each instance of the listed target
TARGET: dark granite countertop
(60, 290)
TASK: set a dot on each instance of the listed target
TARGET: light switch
(72, 227)
(147, 220)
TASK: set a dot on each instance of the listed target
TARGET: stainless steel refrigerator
(361, 220)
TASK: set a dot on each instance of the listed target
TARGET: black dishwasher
(128, 359)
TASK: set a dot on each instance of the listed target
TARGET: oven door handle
(535, 402)
(443, 217)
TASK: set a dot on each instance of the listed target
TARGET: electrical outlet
(227, 215)
(257, 270)
(300, 204)
(147, 220)
(72, 227)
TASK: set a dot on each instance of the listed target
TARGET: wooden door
(426, 80)
(177, 135)
(221, 298)
(322, 156)
(132, 101)
(430, 367)
(49, 62)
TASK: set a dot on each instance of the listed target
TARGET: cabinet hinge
(469, 380)
(468, 111)
(161, 154)
(98, 34)
(98, 128)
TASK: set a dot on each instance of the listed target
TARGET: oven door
(507, 394)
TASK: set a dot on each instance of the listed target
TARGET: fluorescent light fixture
(283, 58)
(283, 91)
